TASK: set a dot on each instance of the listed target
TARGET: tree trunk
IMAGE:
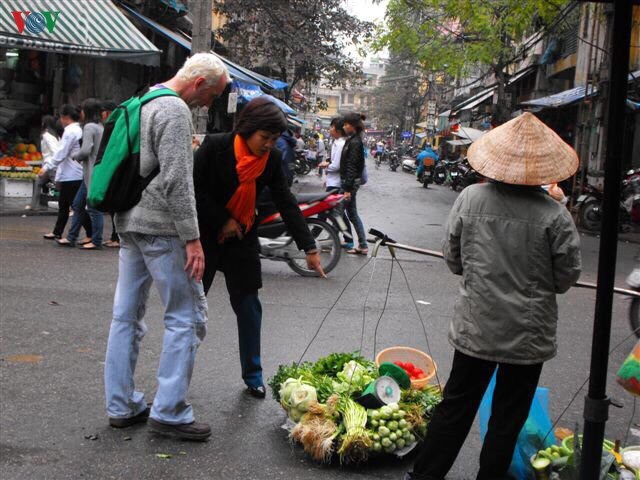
(501, 111)
(201, 42)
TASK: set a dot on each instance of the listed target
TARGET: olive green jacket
(516, 248)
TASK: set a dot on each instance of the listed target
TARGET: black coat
(215, 181)
(351, 163)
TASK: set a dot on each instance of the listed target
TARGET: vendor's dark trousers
(248, 310)
(453, 417)
(68, 192)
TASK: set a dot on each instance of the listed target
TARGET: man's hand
(323, 164)
(195, 259)
(313, 263)
(230, 229)
(347, 196)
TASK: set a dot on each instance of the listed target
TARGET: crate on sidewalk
(16, 187)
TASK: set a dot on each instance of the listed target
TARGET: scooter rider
(427, 152)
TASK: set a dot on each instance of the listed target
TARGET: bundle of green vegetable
(322, 399)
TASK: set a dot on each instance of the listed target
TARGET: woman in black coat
(351, 167)
(230, 171)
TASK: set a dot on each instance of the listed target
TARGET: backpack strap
(146, 98)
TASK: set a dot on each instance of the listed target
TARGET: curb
(28, 213)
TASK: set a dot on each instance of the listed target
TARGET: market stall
(43, 45)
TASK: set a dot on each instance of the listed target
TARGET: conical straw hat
(523, 151)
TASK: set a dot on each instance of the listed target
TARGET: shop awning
(469, 133)
(236, 71)
(95, 29)
(561, 99)
(570, 96)
(458, 143)
(295, 121)
(446, 113)
(482, 96)
(247, 92)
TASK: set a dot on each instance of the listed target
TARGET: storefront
(53, 52)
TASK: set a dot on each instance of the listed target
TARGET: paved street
(56, 303)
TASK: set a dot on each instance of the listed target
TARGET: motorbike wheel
(634, 316)
(393, 168)
(328, 244)
(591, 216)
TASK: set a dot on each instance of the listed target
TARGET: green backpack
(116, 183)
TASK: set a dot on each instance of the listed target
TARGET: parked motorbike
(589, 204)
(462, 175)
(394, 160)
(301, 165)
(321, 213)
(409, 164)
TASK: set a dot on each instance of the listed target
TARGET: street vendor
(515, 248)
(230, 172)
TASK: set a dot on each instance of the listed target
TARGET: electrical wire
(364, 306)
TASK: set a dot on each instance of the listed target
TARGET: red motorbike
(323, 215)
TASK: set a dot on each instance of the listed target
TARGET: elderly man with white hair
(160, 243)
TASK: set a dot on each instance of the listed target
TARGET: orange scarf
(242, 204)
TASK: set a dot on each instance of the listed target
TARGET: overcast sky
(370, 11)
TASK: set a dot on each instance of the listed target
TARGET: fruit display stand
(18, 169)
(16, 187)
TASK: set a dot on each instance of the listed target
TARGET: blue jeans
(83, 215)
(145, 259)
(352, 212)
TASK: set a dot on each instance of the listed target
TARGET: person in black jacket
(230, 171)
(351, 167)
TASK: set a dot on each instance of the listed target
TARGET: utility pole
(201, 42)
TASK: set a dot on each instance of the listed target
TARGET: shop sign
(35, 22)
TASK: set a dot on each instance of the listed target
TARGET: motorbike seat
(311, 197)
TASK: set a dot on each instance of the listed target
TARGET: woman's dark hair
(52, 125)
(356, 120)
(109, 106)
(71, 111)
(260, 114)
(92, 108)
(338, 124)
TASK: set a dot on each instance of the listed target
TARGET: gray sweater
(91, 136)
(168, 205)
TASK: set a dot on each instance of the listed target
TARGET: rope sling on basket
(352, 407)
(333, 405)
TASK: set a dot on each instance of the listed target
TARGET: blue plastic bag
(531, 437)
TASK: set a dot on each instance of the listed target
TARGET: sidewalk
(14, 207)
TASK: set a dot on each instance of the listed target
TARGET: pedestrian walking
(351, 169)
(516, 248)
(321, 152)
(160, 243)
(109, 106)
(334, 182)
(91, 136)
(287, 145)
(68, 171)
(49, 144)
(231, 170)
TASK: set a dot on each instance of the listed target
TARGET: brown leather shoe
(127, 422)
(198, 432)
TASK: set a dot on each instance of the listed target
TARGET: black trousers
(68, 192)
(453, 417)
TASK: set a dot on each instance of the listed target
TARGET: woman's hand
(313, 263)
(230, 229)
